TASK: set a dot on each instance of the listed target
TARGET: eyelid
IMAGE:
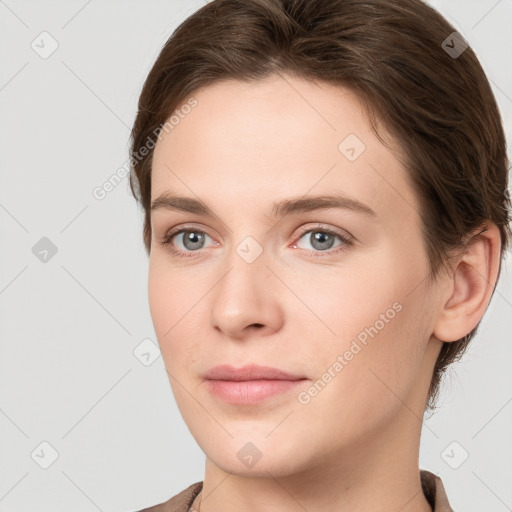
(303, 230)
(346, 238)
(186, 227)
(344, 235)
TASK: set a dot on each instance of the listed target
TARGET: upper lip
(248, 372)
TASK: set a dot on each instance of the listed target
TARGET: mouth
(250, 384)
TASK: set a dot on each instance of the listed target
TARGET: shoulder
(179, 503)
(434, 491)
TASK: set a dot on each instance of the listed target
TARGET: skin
(355, 445)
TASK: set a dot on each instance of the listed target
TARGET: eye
(191, 239)
(322, 240)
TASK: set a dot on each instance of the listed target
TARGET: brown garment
(432, 485)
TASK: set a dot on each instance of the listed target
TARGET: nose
(247, 299)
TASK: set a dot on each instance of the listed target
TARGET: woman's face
(337, 296)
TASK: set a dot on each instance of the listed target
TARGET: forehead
(279, 137)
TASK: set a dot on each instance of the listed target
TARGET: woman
(324, 189)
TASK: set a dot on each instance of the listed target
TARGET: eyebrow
(303, 204)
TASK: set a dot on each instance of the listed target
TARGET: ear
(470, 286)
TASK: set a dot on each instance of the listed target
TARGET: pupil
(192, 238)
(326, 240)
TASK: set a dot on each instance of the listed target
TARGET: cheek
(371, 381)
(170, 295)
(178, 315)
(373, 324)
(347, 303)
(160, 301)
(180, 308)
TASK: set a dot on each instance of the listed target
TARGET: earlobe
(471, 285)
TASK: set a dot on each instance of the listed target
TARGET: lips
(250, 384)
(249, 372)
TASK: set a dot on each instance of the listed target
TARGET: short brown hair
(439, 108)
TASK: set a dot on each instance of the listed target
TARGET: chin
(245, 457)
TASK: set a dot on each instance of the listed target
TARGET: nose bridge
(245, 264)
(249, 250)
(242, 296)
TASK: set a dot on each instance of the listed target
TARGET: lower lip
(250, 391)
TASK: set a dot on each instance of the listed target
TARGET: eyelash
(167, 241)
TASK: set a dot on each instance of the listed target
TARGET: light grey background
(69, 327)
